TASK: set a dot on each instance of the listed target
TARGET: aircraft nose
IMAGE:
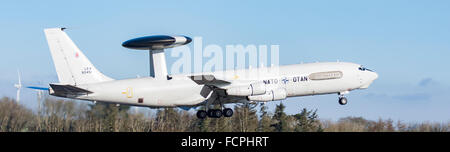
(374, 76)
(370, 77)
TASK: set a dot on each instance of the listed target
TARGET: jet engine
(248, 90)
(272, 95)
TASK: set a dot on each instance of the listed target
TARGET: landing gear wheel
(217, 113)
(210, 113)
(214, 113)
(342, 100)
(201, 114)
(227, 112)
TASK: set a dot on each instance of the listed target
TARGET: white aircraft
(79, 79)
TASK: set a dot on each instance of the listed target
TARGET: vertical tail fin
(71, 65)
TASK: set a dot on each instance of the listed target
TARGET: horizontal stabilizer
(67, 90)
(38, 88)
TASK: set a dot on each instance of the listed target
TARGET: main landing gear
(215, 113)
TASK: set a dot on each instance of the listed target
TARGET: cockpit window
(361, 68)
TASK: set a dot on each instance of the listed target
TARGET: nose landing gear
(342, 100)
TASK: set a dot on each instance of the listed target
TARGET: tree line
(72, 116)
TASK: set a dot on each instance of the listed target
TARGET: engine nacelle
(272, 95)
(248, 90)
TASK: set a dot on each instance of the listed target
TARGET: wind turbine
(18, 86)
(39, 98)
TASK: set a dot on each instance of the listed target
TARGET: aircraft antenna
(155, 45)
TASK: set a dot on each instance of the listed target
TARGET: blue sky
(406, 42)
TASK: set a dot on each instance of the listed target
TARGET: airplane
(79, 79)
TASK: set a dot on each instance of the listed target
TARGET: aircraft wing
(209, 80)
(219, 88)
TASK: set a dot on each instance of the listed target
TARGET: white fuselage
(79, 79)
(182, 91)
